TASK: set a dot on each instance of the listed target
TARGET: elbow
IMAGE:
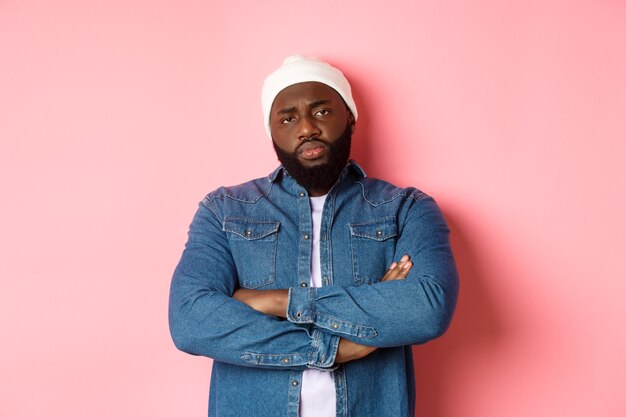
(181, 335)
(437, 324)
(429, 325)
(191, 328)
(181, 340)
(437, 315)
(185, 343)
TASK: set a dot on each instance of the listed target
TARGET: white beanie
(298, 69)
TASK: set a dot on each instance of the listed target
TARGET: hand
(398, 270)
(350, 351)
(270, 302)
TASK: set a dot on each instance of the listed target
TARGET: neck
(318, 192)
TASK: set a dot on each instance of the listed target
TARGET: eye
(287, 119)
(322, 112)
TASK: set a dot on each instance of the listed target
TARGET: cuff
(325, 347)
(301, 305)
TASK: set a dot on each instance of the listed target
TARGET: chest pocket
(373, 245)
(253, 246)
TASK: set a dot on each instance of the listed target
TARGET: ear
(351, 121)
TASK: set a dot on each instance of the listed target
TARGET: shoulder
(377, 191)
(247, 192)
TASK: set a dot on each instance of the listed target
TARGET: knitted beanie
(298, 69)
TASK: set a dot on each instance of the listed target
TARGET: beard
(323, 176)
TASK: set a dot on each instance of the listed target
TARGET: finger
(395, 273)
(398, 270)
(389, 271)
(401, 271)
(406, 268)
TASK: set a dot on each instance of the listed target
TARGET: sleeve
(393, 313)
(205, 320)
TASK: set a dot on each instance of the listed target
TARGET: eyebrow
(288, 110)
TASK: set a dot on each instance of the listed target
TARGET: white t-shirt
(317, 393)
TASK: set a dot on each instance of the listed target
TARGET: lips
(312, 150)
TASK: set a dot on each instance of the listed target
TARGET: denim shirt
(257, 235)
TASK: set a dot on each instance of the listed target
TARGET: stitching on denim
(341, 381)
(406, 193)
(378, 220)
(312, 293)
(332, 349)
(314, 354)
(376, 204)
(227, 192)
(329, 239)
(290, 308)
(232, 197)
(330, 353)
(295, 359)
(275, 355)
(355, 326)
(269, 190)
(358, 276)
(289, 298)
(355, 267)
(208, 203)
(266, 234)
(249, 222)
(419, 195)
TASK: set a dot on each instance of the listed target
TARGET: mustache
(315, 141)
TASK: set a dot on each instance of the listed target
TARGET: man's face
(311, 128)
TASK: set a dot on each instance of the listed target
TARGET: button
(285, 360)
(304, 285)
(294, 383)
(306, 237)
(334, 325)
(298, 314)
(301, 194)
(248, 233)
(379, 232)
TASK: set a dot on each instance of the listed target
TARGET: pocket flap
(250, 229)
(380, 229)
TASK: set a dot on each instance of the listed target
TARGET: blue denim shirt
(257, 235)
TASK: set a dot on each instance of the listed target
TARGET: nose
(307, 128)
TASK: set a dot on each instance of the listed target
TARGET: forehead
(306, 92)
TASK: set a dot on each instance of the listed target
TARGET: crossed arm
(342, 323)
(275, 302)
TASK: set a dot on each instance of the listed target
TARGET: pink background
(116, 117)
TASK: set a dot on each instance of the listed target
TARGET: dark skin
(304, 119)
(274, 303)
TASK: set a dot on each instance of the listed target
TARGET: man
(309, 286)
